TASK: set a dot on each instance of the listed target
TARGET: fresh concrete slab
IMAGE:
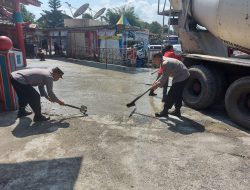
(110, 150)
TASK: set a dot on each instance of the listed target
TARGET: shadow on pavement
(7, 119)
(26, 128)
(42, 174)
(72, 117)
(183, 125)
(219, 113)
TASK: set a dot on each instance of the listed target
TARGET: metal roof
(31, 2)
(9, 4)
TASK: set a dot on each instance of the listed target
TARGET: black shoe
(152, 93)
(176, 113)
(161, 114)
(40, 118)
(23, 113)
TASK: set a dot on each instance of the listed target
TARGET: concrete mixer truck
(210, 30)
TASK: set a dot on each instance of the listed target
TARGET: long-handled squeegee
(83, 109)
(137, 98)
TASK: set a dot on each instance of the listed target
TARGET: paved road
(109, 150)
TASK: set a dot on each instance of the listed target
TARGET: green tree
(165, 29)
(87, 15)
(144, 25)
(113, 15)
(55, 4)
(27, 16)
(155, 28)
(53, 18)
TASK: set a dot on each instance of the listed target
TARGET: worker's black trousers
(174, 96)
(27, 95)
(165, 90)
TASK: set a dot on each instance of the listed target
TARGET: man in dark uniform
(180, 74)
(23, 82)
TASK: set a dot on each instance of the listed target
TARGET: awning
(5, 12)
(31, 2)
(123, 21)
(10, 4)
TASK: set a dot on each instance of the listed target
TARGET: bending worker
(168, 51)
(23, 82)
(176, 69)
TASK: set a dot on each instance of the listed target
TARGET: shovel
(154, 72)
(131, 104)
(83, 109)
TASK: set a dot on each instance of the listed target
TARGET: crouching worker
(176, 69)
(23, 82)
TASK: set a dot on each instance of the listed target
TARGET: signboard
(18, 58)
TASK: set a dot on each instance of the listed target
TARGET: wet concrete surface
(110, 150)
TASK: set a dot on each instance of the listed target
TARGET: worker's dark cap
(58, 71)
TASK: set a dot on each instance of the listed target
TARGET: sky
(146, 10)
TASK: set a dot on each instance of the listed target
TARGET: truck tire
(237, 101)
(200, 90)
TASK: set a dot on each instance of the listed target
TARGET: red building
(11, 21)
